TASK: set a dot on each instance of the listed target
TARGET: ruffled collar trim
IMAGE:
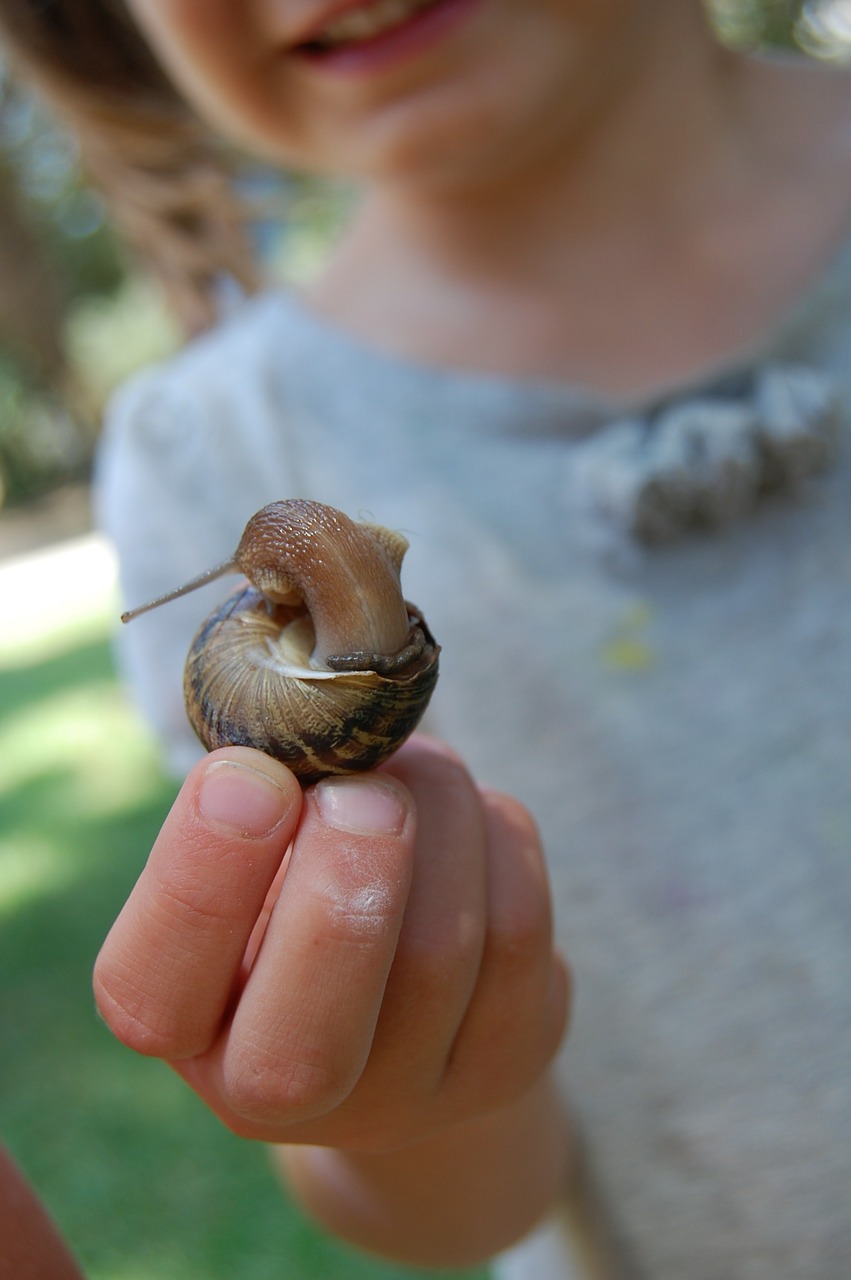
(705, 462)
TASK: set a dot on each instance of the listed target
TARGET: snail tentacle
(209, 575)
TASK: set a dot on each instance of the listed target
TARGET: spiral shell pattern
(244, 686)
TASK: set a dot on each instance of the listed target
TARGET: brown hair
(167, 183)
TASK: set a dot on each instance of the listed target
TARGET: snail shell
(244, 684)
(320, 661)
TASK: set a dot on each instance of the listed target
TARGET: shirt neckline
(802, 313)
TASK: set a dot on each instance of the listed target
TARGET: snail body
(320, 661)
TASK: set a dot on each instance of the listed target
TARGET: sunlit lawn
(144, 1182)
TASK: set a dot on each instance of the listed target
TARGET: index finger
(166, 971)
(303, 1029)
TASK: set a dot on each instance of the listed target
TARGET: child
(586, 341)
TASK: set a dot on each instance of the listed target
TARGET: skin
(30, 1246)
(662, 183)
(424, 121)
(388, 998)
(384, 1004)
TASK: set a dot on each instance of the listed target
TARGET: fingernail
(357, 804)
(241, 799)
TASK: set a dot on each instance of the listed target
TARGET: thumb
(166, 971)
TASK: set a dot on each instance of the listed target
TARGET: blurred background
(144, 1183)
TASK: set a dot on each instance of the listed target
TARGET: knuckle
(355, 919)
(189, 900)
(136, 1021)
(519, 816)
(437, 959)
(356, 890)
(520, 935)
(264, 1087)
(512, 815)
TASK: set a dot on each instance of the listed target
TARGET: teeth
(364, 24)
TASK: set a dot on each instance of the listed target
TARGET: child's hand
(393, 976)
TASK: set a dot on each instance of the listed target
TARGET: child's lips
(366, 22)
(370, 38)
(350, 25)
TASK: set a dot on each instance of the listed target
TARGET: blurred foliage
(751, 23)
(818, 27)
(56, 252)
(67, 218)
(41, 443)
(73, 319)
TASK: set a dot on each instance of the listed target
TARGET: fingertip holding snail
(318, 661)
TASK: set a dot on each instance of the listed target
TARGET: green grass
(144, 1182)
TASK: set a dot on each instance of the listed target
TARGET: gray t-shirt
(677, 716)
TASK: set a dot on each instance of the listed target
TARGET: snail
(318, 661)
